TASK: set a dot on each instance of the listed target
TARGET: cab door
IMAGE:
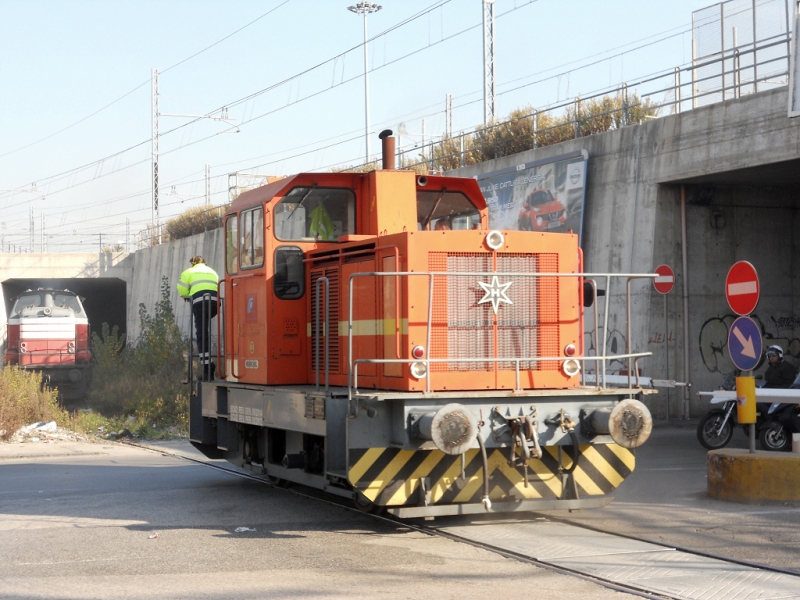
(250, 301)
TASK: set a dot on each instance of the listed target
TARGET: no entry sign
(665, 279)
(742, 288)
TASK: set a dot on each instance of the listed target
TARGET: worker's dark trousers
(204, 308)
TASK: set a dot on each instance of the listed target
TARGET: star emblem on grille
(495, 293)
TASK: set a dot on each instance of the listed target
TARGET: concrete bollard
(796, 443)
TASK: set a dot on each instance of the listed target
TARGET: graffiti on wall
(714, 340)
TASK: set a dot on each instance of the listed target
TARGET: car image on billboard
(545, 195)
(541, 211)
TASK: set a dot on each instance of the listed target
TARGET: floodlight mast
(365, 8)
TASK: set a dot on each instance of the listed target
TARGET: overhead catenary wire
(317, 93)
(141, 85)
(57, 177)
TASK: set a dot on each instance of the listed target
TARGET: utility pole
(424, 159)
(489, 105)
(208, 185)
(127, 234)
(43, 239)
(154, 213)
(365, 8)
(31, 230)
(448, 109)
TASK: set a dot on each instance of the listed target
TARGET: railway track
(622, 563)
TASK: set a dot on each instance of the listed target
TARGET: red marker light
(570, 350)
(418, 352)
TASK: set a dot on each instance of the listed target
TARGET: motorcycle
(780, 422)
(774, 422)
(715, 430)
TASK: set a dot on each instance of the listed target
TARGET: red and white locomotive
(48, 331)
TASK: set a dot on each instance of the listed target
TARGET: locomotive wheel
(364, 504)
(277, 481)
(707, 431)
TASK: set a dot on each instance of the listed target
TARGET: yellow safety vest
(198, 280)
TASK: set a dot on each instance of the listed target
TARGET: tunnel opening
(104, 300)
(747, 214)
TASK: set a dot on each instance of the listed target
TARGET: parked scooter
(775, 422)
(715, 430)
(780, 420)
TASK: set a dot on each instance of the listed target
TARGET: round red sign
(665, 279)
(742, 288)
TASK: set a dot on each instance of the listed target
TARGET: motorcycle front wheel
(708, 427)
(774, 437)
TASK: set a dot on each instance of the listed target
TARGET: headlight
(495, 240)
(571, 367)
(539, 221)
(23, 347)
(418, 370)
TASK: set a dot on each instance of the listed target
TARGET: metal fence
(739, 47)
(732, 48)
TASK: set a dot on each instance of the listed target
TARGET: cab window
(290, 277)
(251, 246)
(313, 214)
(232, 244)
(67, 301)
(26, 301)
(440, 209)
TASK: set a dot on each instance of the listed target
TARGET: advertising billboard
(543, 195)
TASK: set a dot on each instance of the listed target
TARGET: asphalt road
(79, 520)
(82, 520)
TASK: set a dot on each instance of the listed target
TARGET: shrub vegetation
(24, 400)
(142, 380)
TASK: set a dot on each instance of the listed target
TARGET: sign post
(664, 282)
(742, 291)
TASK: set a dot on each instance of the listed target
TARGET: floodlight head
(364, 8)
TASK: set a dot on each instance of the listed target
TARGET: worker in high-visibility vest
(199, 284)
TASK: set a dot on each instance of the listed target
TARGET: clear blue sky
(62, 61)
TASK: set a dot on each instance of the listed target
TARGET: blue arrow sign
(744, 343)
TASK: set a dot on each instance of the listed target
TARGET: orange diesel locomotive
(424, 369)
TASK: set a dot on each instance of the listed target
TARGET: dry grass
(23, 400)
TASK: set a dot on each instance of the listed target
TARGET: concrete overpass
(737, 161)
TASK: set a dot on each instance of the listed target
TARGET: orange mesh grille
(530, 328)
(462, 328)
(333, 344)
